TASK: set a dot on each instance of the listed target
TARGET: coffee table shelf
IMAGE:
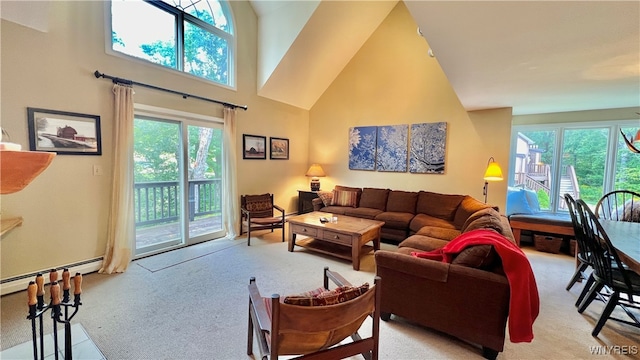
(329, 248)
(346, 238)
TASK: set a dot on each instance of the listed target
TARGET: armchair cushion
(259, 205)
(327, 297)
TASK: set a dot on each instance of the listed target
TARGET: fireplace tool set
(62, 309)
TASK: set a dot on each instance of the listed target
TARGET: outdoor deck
(156, 234)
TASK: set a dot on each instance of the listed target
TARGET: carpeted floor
(192, 304)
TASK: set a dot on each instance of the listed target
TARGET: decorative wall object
(362, 147)
(254, 147)
(428, 148)
(279, 148)
(391, 154)
(64, 133)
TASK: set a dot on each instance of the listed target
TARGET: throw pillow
(532, 200)
(326, 197)
(517, 203)
(327, 297)
(477, 256)
(345, 198)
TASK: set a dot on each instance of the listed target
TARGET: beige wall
(392, 80)
(65, 209)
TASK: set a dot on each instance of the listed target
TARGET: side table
(304, 201)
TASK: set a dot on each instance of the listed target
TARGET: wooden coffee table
(346, 238)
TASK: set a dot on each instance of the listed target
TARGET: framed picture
(279, 148)
(65, 133)
(254, 147)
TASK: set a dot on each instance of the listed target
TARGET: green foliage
(586, 150)
(543, 199)
(156, 150)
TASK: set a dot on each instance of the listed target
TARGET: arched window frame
(181, 17)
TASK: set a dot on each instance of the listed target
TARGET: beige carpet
(192, 304)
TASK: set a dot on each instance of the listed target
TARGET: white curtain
(230, 198)
(121, 230)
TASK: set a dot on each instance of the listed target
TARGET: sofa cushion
(345, 198)
(362, 212)
(349, 188)
(442, 206)
(422, 242)
(395, 220)
(477, 256)
(438, 232)
(326, 197)
(340, 210)
(402, 201)
(487, 218)
(374, 198)
(468, 206)
(421, 220)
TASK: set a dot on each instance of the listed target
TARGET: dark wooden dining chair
(583, 256)
(315, 331)
(619, 205)
(257, 213)
(608, 271)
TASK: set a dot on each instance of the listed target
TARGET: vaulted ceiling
(533, 56)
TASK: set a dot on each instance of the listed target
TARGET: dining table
(625, 237)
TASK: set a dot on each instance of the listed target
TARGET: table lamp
(493, 173)
(315, 171)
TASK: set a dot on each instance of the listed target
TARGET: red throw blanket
(524, 303)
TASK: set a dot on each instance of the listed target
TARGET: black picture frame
(278, 148)
(254, 147)
(63, 132)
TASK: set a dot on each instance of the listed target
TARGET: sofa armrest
(317, 204)
(465, 302)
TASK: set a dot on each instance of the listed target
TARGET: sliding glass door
(178, 181)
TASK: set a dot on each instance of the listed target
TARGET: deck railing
(158, 201)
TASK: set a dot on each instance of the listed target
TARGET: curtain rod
(117, 80)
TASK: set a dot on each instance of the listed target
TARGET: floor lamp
(493, 173)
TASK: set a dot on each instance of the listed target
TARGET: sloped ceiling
(304, 45)
(533, 56)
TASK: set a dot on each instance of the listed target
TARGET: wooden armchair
(314, 332)
(256, 213)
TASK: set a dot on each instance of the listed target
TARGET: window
(586, 160)
(191, 36)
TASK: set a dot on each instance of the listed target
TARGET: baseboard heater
(20, 282)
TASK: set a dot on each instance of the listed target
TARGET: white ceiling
(533, 56)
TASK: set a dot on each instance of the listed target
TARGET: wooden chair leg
(591, 295)
(577, 275)
(585, 289)
(608, 309)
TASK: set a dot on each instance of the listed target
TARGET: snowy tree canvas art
(392, 148)
(428, 142)
(362, 148)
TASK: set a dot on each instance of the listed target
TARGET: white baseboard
(20, 282)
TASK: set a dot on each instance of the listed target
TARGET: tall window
(193, 36)
(585, 160)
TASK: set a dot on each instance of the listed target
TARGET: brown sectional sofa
(468, 298)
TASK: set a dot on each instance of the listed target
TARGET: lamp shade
(315, 171)
(493, 172)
